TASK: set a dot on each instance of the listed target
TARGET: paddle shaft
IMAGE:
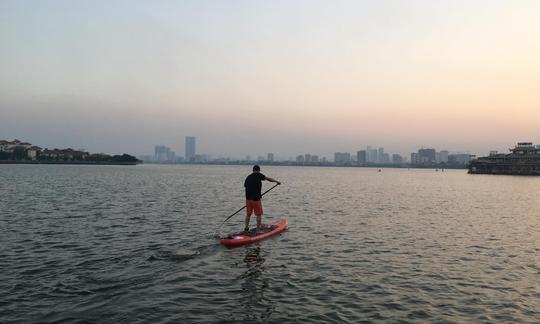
(239, 210)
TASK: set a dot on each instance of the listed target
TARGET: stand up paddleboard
(242, 238)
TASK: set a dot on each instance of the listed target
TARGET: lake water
(134, 244)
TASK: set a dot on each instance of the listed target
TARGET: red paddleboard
(242, 238)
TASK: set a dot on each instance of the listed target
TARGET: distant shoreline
(67, 162)
(322, 165)
(238, 163)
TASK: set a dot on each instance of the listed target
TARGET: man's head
(256, 168)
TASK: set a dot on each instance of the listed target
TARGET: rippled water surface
(134, 244)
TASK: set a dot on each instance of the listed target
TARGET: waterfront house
(33, 152)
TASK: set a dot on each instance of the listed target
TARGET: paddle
(239, 210)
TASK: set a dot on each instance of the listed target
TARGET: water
(134, 244)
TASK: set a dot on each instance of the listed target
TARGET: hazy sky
(289, 77)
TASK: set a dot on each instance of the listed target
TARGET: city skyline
(251, 77)
(368, 155)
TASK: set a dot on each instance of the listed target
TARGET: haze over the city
(289, 77)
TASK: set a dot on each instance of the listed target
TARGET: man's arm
(272, 180)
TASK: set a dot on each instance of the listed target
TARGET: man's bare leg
(259, 219)
(246, 228)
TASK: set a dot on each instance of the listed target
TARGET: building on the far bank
(270, 157)
(24, 152)
(33, 152)
(342, 158)
(3, 145)
(64, 155)
(17, 150)
(160, 153)
(414, 158)
(190, 149)
(524, 159)
(380, 155)
(372, 155)
(385, 158)
(442, 156)
(460, 159)
(397, 159)
(201, 158)
(427, 156)
(361, 157)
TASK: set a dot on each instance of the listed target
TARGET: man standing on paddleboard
(253, 185)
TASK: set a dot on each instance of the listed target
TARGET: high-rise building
(171, 156)
(397, 159)
(160, 153)
(426, 156)
(270, 157)
(307, 157)
(372, 155)
(443, 156)
(163, 154)
(380, 155)
(342, 158)
(414, 158)
(368, 153)
(190, 149)
(361, 157)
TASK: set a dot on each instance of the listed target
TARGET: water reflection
(254, 285)
(254, 262)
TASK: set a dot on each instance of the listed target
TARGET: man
(253, 185)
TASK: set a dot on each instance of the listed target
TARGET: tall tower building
(372, 155)
(160, 153)
(380, 155)
(190, 148)
(443, 156)
(361, 157)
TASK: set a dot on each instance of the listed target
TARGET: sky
(288, 77)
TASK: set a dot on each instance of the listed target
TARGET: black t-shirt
(253, 185)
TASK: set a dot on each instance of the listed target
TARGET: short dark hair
(256, 168)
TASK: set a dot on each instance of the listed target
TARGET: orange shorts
(254, 206)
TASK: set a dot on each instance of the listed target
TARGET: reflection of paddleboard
(242, 238)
